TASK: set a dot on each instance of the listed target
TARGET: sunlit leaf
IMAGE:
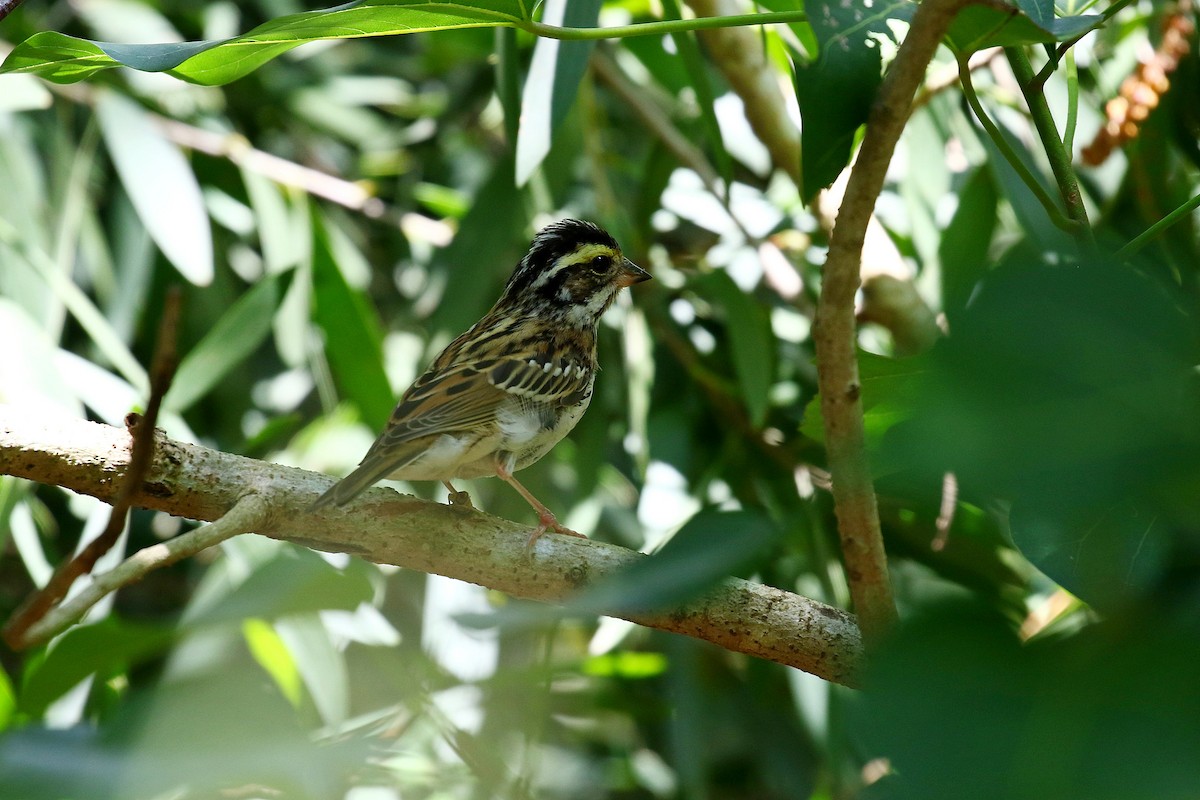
(270, 652)
(552, 82)
(294, 582)
(320, 664)
(161, 185)
(66, 59)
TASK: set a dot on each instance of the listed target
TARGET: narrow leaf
(66, 59)
(161, 184)
(553, 82)
(750, 340)
(711, 546)
(236, 335)
(353, 336)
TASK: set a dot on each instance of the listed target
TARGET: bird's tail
(354, 484)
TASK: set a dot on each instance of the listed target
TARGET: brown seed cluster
(1141, 91)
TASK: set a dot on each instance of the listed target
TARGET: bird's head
(573, 270)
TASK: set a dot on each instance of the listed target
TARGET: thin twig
(141, 429)
(248, 514)
(662, 27)
(7, 7)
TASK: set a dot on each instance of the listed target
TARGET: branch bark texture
(198, 483)
(834, 331)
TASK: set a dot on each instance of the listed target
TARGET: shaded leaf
(353, 338)
(710, 546)
(487, 247)
(1108, 555)
(105, 648)
(963, 248)
(835, 93)
(750, 338)
(196, 737)
(237, 334)
(297, 581)
(890, 387)
(161, 185)
(1107, 714)
(978, 27)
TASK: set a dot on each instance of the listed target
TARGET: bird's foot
(457, 498)
(548, 522)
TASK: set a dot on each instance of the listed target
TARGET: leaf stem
(660, 27)
(1151, 233)
(1023, 172)
(1056, 152)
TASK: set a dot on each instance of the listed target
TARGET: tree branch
(196, 482)
(834, 330)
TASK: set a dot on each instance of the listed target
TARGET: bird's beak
(631, 273)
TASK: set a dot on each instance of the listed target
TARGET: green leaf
(698, 79)
(1122, 694)
(963, 249)
(978, 27)
(105, 648)
(890, 387)
(195, 736)
(236, 335)
(835, 93)
(161, 184)
(1107, 554)
(321, 664)
(711, 546)
(8, 701)
(1040, 12)
(552, 83)
(1071, 392)
(273, 656)
(297, 581)
(487, 247)
(750, 339)
(353, 336)
(66, 59)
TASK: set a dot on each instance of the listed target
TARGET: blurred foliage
(343, 208)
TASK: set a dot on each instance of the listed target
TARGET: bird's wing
(462, 399)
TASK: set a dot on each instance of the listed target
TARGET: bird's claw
(548, 522)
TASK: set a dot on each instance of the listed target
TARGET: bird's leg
(546, 519)
(456, 497)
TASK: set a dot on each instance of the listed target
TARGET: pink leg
(546, 519)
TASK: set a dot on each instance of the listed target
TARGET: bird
(502, 394)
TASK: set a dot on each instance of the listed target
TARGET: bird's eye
(600, 264)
